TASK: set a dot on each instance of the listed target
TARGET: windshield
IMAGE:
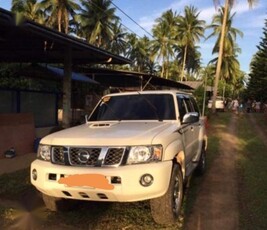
(135, 107)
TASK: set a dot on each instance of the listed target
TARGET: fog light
(34, 174)
(146, 180)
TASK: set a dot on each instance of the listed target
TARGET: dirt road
(216, 205)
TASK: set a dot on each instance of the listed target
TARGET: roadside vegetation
(18, 198)
(169, 50)
(252, 175)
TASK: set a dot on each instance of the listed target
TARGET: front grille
(84, 156)
(58, 155)
(79, 156)
(114, 156)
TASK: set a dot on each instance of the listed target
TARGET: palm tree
(190, 30)
(117, 45)
(227, 5)
(28, 9)
(193, 59)
(175, 70)
(230, 32)
(137, 51)
(59, 12)
(239, 84)
(96, 20)
(164, 34)
(230, 65)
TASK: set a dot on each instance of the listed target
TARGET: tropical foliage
(257, 85)
(230, 67)
(172, 49)
(190, 30)
(227, 7)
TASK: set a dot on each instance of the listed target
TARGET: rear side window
(194, 103)
(186, 104)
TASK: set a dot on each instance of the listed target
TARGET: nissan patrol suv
(134, 146)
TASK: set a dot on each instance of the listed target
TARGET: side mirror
(191, 117)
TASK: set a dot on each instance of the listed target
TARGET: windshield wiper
(101, 101)
(116, 116)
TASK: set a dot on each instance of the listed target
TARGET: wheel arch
(175, 152)
(180, 159)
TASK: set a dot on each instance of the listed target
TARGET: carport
(29, 42)
(122, 80)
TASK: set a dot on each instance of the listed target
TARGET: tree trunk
(59, 21)
(163, 68)
(183, 67)
(167, 68)
(220, 57)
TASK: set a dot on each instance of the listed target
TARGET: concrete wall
(17, 130)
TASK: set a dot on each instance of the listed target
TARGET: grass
(214, 126)
(253, 176)
(14, 184)
(88, 215)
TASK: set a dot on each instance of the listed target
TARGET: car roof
(173, 92)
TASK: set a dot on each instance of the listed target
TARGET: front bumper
(127, 189)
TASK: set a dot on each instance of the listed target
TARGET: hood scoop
(100, 125)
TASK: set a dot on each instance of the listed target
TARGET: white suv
(219, 104)
(134, 146)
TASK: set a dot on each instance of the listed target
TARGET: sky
(144, 12)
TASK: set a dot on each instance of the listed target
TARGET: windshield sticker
(106, 99)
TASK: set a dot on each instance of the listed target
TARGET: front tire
(166, 209)
(201, 167)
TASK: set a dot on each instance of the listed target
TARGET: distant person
(253, 106)
(257, 106)
(241, 107)
(235, 106)
(249, 102)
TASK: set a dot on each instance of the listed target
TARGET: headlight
(44, 152)
(144, 154)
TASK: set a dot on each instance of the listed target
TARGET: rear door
(190, 132)
(186, 130)
(197, 127)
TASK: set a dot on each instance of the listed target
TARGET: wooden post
(67, 88)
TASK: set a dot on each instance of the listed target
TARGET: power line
(120, 22)
(131, 18)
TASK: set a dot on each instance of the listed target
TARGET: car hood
(110, 134)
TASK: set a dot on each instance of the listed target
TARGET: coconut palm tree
(230, 32)
(227, 5)
(137, 51)
(190, 30)
(230, 66)
(117, 45)
(164, 39)
(28, 9)
(96, 20)
(59, 12)
(193, 59)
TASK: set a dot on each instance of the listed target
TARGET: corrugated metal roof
(32, 42)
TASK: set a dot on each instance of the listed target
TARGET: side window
(181, 106)
(190, 107)
(186, 104)
(196, 109)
